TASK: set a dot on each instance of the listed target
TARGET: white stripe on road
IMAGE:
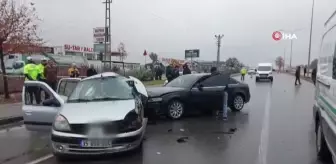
(44, 158)
(263, 146)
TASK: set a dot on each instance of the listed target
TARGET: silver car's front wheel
(175, 109)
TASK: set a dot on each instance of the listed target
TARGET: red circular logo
(276, 35)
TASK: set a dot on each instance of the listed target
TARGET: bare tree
(18, 31)
(122, 51)
(154, 57)
(279, 62)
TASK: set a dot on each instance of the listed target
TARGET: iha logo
(277, 35)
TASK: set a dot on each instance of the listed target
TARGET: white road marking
(44, 158)
(263, 146)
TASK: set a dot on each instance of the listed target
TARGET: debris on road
(158, 153)
(170, 130)
(182, 130)
(233, 130)
(182, 139)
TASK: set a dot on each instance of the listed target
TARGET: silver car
(96, 115)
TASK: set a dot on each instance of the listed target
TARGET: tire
(175, 109)
(272, 80)
(323, 152)
(237, 103)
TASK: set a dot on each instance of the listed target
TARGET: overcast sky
(168, 27)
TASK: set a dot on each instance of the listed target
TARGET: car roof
(105, 74)
(265, 64)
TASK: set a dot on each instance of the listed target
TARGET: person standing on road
(176, 71)
(215, 72)
(297, 75)
(50, 72)
(91, 71)
(313, 75)
(73, 71)
(169, 73)
(243, 73)
(304, 71)
(41, 68)
(186, 69)
(32, 73)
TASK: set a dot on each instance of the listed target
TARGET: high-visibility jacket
(32, 70)
(41, 67)
(243, 71)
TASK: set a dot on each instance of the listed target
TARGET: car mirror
(130, 83)
(51, 102)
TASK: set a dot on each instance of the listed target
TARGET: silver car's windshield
(102, 89)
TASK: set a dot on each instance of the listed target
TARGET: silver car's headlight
(156, 99)
(61, 124)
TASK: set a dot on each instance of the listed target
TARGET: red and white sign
(75, 48)
(277, 35)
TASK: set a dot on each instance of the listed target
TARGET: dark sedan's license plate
(96, 143)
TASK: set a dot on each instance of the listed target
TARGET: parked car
(251, 71)
(196, 93)
(100, 114)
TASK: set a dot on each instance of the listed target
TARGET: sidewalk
(307, 78)
(10, 113)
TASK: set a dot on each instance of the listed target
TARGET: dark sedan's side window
(217, 80)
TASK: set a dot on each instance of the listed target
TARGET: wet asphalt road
(275, 127)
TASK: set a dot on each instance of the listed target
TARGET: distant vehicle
(325, 104)
(97, 115)
(251, 71)
(194, 93)
(264, 72)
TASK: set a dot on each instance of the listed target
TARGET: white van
(264, 71)
(325, 98)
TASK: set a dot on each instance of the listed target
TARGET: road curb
(9, 120)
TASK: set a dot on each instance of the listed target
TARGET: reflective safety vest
(41, 70)
(32, 70)
(243, 71)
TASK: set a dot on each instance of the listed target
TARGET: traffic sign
(192, 53)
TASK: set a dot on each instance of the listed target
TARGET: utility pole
(310, 35)
(107, 42)
(219, 39)
(291, 51)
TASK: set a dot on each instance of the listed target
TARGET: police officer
(41, 67)
(32, 72)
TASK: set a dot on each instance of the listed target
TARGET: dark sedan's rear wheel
(238, 103)
(321, 145)
(175, 109)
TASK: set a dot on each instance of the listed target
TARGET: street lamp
(310, 34)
